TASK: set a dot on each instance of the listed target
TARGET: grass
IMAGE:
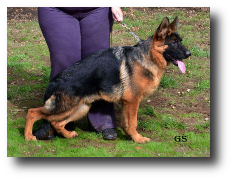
(179, 107)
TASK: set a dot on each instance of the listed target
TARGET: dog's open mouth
(179, 63)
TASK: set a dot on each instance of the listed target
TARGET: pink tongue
(181, 66)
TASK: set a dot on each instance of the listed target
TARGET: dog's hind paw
(30, 138)
(73, 134)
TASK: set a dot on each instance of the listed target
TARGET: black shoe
(50, 137)
(109, 134)
(45, 132)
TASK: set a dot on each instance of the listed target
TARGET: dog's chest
(153, 82)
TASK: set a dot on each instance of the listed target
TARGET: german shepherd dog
(125, 74)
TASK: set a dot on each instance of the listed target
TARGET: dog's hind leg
(78, 113)
(59, 126)
(33, 115)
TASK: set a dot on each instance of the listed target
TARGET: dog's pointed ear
(162, 30)
(173, 25)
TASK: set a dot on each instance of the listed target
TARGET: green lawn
(179, 107)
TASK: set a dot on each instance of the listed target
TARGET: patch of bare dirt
(30, 13)
(21, 13)
(20, 112)
(189, 11)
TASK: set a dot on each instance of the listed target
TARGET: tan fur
(32, 116)
(78, 113)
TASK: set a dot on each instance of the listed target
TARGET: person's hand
(117, 14)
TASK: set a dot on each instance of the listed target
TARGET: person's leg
(62, 34)
(95, 32)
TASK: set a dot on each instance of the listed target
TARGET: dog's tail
(45, 132)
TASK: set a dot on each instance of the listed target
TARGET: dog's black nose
(188, 53)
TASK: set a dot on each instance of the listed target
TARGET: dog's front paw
(140, 139)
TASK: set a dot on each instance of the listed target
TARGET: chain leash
(133, 34)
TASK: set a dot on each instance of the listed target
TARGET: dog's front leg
(129, 121)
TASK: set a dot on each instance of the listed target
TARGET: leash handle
(134, 35)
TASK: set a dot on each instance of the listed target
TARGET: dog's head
(169, 40)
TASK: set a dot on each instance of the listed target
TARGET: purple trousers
(71, 35)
